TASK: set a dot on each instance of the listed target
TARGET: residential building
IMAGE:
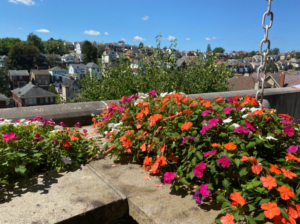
(283, 56)
(70, 45)
(2, 61)
(108, 55)
(78, 47)
(69, 88)
(244, 83)
(57, 73)
(3, 101)
(19, 78)
(78, 69)
(94, 43)
(40, 78)
(94, 68)
(31, 95)
(78, 58)
(68, 59)
(295, 62)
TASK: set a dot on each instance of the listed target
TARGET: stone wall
(285, 100)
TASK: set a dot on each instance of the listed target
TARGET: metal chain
(263, 55)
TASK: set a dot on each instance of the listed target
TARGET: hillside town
(30, 88)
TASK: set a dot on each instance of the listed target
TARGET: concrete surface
(71, 197)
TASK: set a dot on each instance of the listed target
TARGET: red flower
(186, 126)
(271, 210)
(269, 182)
(228, 219)
(67, 144)
(286, 192)
(236, 196)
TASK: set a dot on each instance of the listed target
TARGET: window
(46, 100)
(43, 76)
(56, 77)
(41, 100)
(21, 77)
(51, 99)
(46, 82)
(39, 81)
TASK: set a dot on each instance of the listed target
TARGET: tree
(219, 50)
(121, 41)
(21, 56)
(275, 51)
(271, 67)
(7, 43)
(208, 49)
(100, 50)
(191, 53)
(52, 89)
(55, 47)
(4, 84)
(252, 53)
(53, 60)
(34, 40)
(141, 45)
(90, 52)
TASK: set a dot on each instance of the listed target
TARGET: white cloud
(43, 31)
(25, 2)
(145, 18)
(187, 38)
(211, 38)
(169, 38)
(106, 33)
(137, 38)
(91, 32)
(123, 39)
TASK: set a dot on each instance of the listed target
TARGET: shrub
(229, 151)
(38, 145)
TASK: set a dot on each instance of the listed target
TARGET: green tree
(208, 49)
(191, 53)
(52, 89)
(4, 84)
(275, 51)
(121, 41)
(219, 50)
(271, 67)
(100, 50)
(252, 53)
(90, 52)
(35, 40)
(21, 56)
(6, 44)
(55, 47)
(141, 45)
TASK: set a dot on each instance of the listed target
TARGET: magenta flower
(199, 168)
(78, 125)
(152, 93)
(168, 177)
(183, 140)
(205, 113)
(224, 161)
(38, 138)
(205, 128)
(55, 142)
(213, 122)
(239, 108)
(231, 100)
(198, 197)
(249, 125)
(191, 138)
(62, 124)
(292, 148)
(210, 153)
(9, 136)
(37, 135)
(121, 109)
(286, 122)
(1, 119)
(227, 110)
(84, 130)
(288, 130)
(203, 190)
(241, 130)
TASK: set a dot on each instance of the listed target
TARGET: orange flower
(249, 99)
(237, 97)
(256, 168)
(228, 219)
(162, 148)
(275, 169)
(110, 148)
(237, 197)
(286, 192)
(154, 168)
(292, 157)
(150, 146)
(193, 104)
(143, 104)
(218, 99)
(246, 158)
(125, 115)
(161, 160)
(143, 147)
(187, 111)
(288, 173)
(207, 103)
(127, 143)
(73, 138)
(271, 210)
(153, 119)
(230, 146)
(67, 144)
(173, 158)
(160, 127)
(292, 212)
(186, 126)
(257, 112)
(280, 220)
(163, 107)
(145, 132)
(147, 161)
(215, 145)
(269, 182)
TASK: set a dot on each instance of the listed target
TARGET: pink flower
(55, 142)
(152, 93)
(286, 122)
(183, 140)
(84, 130)
(213, 122)
(78, 125)
(121, 109)
(191, 138)
(288, 130)
(227, 110)
(9, 136)
(198, 171)
(38, 138)
(205, 128)
(241, 130)
(224, 161)
(249, 125)
(292, 148)
(205, 113)
(210, 153)
(198, 197)
(203, 190)
(168, 177)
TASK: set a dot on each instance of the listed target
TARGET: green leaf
(250, 220)
(199, 155)
(248, 207)
(226, 183)
(190, 155)
(266, 200)
(260, 217)
(194, 161)
(22, 154)
(223, 135)
(260, 190)
(226, 204)
(210, 187)
(184, 181)
(243, 172)
(236, 162)
(221, 198)
(250, 145)
(237, 216)
(191, 174)
(194, 133)
(284, 213)
(298, 191)
(20, 169)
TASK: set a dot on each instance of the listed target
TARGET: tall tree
(121, 41)
(7, 43)
(100, 50)
(141, 45)
(4, 84)
(208, 49)
(272, 67)
(252, 53)
(191, 53)
(55, 47)
(52, 89)
(35, 40)
(21, 56)
(219, 50)
(90, 52)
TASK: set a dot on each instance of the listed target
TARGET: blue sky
(231, 24)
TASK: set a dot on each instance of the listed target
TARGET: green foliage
(271, 67)
(100, 50)
(4, 84)
(191, 53)
(252, 53)
(35, 40)
(141, 45)
(28, 153)
(21, 56)
(121, 41)
(90, 52)
(208, 49)
(158, 71)
(6, 44)
(274, 51)
(53, 60)
(55, 47)
(219, 50)
(52, 89)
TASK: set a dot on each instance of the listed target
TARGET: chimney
(65, 92)
(282, 78)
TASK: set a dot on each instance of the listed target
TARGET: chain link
(262, 67)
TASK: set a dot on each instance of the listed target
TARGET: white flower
(228, 120)
(138, 101)
(66, 160)
(254, 109)
(22, 120)
(16, 124)
(54, 131)
(163, 94)
(246, 108)
(37, 123)
(111, 125)
(58, 128)
(143, 95)
(244, 116)
(296, 129)
(105, 132)
(271, 138)
(235, 125)
(260, 137)
(93, 115)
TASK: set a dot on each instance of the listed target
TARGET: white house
(2, 61)
(94, 43)
(108, 55)
(94, 68)
(77, 69)
(78, 47)
(68, 58)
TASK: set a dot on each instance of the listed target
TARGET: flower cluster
(228, 150)
(37, 145)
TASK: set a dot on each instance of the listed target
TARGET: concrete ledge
(71, 197)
